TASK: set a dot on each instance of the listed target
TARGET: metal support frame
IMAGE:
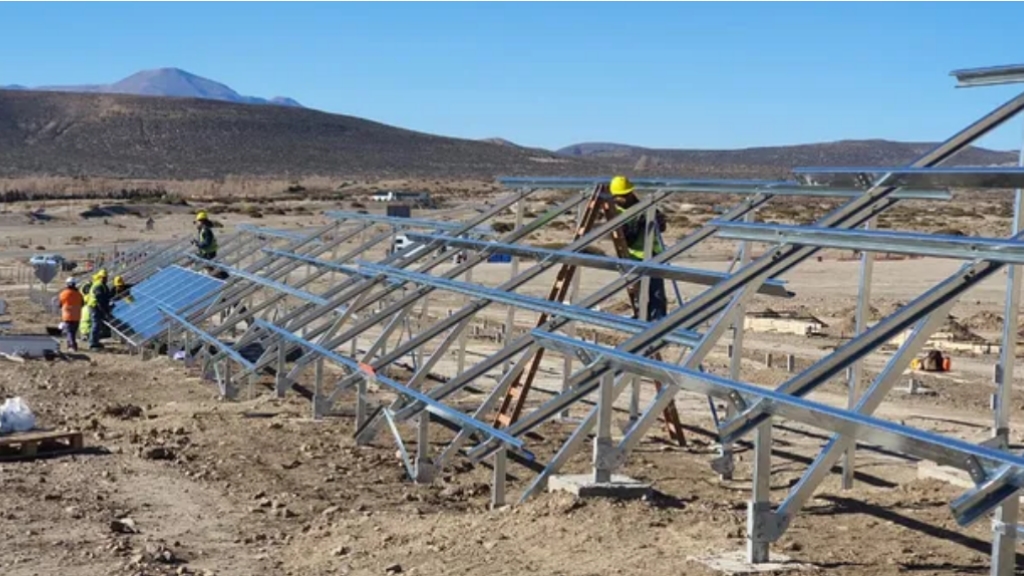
(379, 297)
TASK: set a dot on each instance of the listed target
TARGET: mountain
(202, 134)
(775, 161)
(113, 135)
(171, 82)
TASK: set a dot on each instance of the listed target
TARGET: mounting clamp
(763, 523)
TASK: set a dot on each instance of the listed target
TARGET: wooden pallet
(29, 445)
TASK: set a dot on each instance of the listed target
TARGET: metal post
(424, 467)
(867, 265)
(511, 323)
(229, 388)
(281, 382)
(603, 442)
(498, 485)
(574, 293)
(1004, 534)
(650, 218)
(424, 320)
(318, 389)
(725, 459)
(334, 258)
(361, 407)
(759, 507)
(462, 337)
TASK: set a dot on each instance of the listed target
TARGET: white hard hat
(70, 282)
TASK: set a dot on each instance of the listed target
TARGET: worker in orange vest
(71, 302)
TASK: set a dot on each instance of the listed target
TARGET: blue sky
(679, 75)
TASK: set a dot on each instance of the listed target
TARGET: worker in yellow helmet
(624, 193)
(121, 289)
(205, 241)
(98, 302)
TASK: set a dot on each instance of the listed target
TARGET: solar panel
(174, 288)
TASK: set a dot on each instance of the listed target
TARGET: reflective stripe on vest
(205, 233)
(636, 248)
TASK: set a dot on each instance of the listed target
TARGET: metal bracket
(607, 456)
(763, 524)
(988, 494)
(724, 465)
(1004, 529)
(975, 469)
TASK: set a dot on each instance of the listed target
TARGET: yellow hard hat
(620, 186)
(118, 281)
(101, 274)
(201, 215)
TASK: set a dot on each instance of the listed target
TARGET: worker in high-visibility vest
(205, 241)
(98, 303)
(625, 197)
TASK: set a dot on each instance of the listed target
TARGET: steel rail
(725, 187)
(900, 438)
(910, 243)
(433, 406)
(649, 268)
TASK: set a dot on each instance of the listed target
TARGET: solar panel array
(174, 288)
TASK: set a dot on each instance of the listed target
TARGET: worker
(71, 302)
(206, 242)
(121, 289)
(99, 308)
(623, 192)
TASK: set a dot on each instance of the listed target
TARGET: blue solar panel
(174, 288)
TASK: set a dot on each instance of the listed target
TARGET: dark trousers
(72, 334)
(96, 328)
(657, 301)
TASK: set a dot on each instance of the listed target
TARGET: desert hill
(775, 161)
(73, 134)
(128, 136)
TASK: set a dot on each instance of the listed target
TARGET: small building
(399, 211)
(783, 322)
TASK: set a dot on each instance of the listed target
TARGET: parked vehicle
(55, 259)
(402, 242)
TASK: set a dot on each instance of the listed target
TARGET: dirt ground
(177, 481)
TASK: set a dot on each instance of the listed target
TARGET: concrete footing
(584, 486)
(736, 563)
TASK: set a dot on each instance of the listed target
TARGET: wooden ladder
(671, 415)
(515, 398)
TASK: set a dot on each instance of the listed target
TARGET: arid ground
(178, 481)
